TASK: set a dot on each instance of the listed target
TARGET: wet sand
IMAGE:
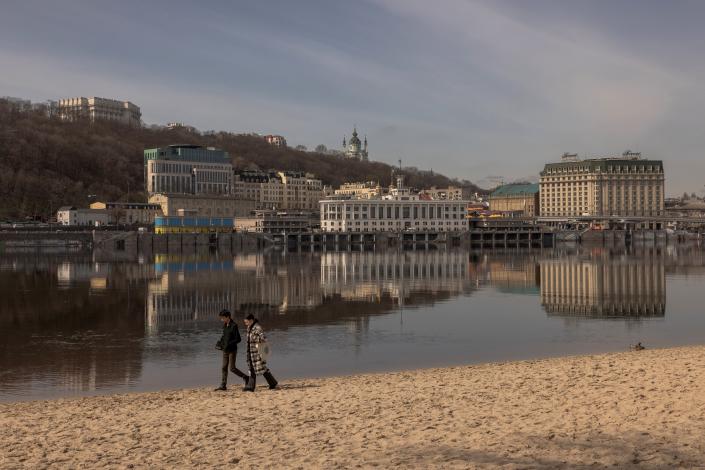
(642, 409)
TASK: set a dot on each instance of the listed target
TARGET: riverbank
(642, 409)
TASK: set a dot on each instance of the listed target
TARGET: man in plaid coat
(256, 363)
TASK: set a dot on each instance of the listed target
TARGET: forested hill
(47, 163)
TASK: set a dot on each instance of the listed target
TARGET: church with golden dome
(354, 148)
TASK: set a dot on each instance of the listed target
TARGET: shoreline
(642, 409)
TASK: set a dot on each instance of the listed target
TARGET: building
(175, 125)
(192, 224)
(188, 169)
(520, 199)
(280, 190)
(451, 193)
(129, 213)
(602, 187)
(275, 140)
(202, 205)
(72, 216)
(271, 221)
(397, 211)
(95, 108)
(366, 190)
(356, 149)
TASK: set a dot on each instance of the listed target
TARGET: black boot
(270, 380)
(250, 384)
(242, 375)
(221, 388)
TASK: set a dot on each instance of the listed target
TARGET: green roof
(515, 190)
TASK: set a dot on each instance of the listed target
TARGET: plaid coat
(255, 362)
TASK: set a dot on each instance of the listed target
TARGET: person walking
(256, 360)
(228, 344)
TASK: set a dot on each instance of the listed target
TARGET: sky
(487, 91)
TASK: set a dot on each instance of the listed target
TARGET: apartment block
(281, 190)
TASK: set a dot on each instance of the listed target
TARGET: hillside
(47, 163)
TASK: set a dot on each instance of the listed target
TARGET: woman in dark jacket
(256, 363)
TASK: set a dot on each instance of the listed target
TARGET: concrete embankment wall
(175, 242)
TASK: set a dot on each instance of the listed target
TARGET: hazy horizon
(469, 89)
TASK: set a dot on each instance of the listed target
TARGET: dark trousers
(229, 360)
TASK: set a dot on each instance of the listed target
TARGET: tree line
(46, 163)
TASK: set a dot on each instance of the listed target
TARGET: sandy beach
(642, 409)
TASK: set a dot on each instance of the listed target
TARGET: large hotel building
(397, 211)
(602, 187)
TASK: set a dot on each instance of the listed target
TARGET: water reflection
(79, 322)
(598, 284)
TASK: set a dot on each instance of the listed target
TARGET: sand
(642, 409)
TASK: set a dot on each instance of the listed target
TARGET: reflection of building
(95, 108)
(193, 289)
(517, 198)
(603, 286)
(187, 169)
(626, 186)
(397, 274)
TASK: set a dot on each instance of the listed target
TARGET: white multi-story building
(99, 108)
(397, 211)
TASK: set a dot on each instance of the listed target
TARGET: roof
(603, 163)
(515, 190)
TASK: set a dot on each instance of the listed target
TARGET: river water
(81, 323)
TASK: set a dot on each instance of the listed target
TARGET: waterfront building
(520, 199)
(95, 108)
(602, 187)
(187, 169)
(280, 190)
(354, 148)
(128, 213)
(272, 221)
(366, 190)
(275, 140)
(73, 216)
(397, 211)
(202, 205)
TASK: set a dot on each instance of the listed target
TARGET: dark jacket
(231, 336)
